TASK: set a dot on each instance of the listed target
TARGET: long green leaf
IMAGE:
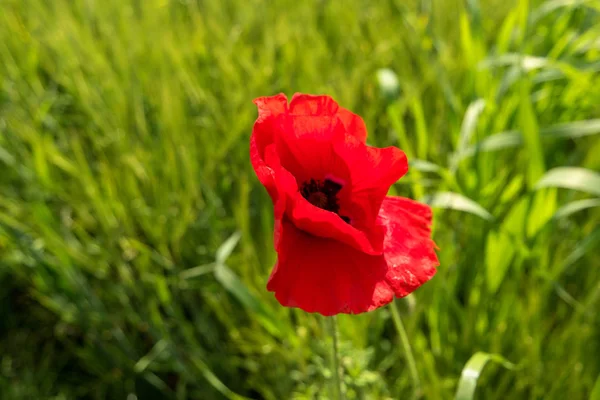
(572, 130)
(596, 390)
(225, 250)
(576, 206)
(425, 166)
(468, 127)
(472, 371)
(499, 255)
(575, 178)
(146, 360)
(455, 201)
(232, 283)
(531, 135)
(587, 244)
(509, 139)
(549, 7)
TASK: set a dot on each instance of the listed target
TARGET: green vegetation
(135, 240)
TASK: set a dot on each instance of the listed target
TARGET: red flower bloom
(343, 245)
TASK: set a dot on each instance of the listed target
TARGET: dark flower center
(323, 195)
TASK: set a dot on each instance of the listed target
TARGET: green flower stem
(335, 366)
(410, 359)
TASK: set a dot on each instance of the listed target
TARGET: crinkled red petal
(329, 277)
(408, 247)
(262, 136)
(306, 147)
(314, 220)
(306, 104)
(372, 172)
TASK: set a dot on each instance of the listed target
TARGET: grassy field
(135, 240)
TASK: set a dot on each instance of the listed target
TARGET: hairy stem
(335, 366)
(410, 359)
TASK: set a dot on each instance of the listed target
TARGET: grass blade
(225, 250)
(576, 206)
(425, 166)
(455, 201)
(574, 178)
(572, 130)
(146, 360)
(473, 369)
(232, 283)
(509, 139)
(531, 135)
(596, 390)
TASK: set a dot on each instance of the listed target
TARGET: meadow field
(136, 241)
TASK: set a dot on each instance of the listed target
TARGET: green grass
(135, 240)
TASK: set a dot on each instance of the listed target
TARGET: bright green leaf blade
(499, 254)
(574, 178)
(467, 128)
(549, 7)
(146, 360)
(572, 130)
(227, 247)
(425, 166)
(215, 382)
(234, 285)
(197, 271)
(541, 210)
(230, 281)
(495, 142)
(472, 370)
(596, 390)
(576, 206)
(587, 244)
(6, 157)
(455, 201)
(531, 135)
(510, 139)
(526, 62)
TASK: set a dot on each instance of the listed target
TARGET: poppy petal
(262, 136)
(321, 105)
(269, 106)
(326, 276)
(408, 247)
(314, 220)
(372, 172)
(306, 147)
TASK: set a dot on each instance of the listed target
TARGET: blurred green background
(135, 240)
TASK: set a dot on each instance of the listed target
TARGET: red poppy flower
(343, 246)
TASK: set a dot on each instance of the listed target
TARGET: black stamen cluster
(326, 194)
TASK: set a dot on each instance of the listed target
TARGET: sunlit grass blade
(472, 371)
(510, 139)
(456, 201)
(587, 244)
(595, 395)
(575, 178)
(531, 136)
(551, 6)
(467, 129)
(572, 130)
(576, 206)
(225, 250)
(424, 166)
(146, 360)
(499, 254)
(236, 287)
